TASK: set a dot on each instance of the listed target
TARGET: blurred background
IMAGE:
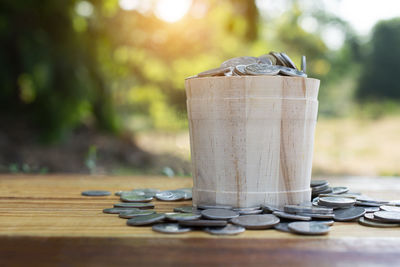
(97, 86)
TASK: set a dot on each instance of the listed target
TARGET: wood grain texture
(252, 139)
(44, 221)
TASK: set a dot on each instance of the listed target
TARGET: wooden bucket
(251, 139)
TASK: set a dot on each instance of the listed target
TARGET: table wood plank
(45, 219)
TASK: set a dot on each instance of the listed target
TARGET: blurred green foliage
(67, 63)
(381, 63)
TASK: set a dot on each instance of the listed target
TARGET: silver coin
(250, 212)
(229, 229)
(147, 191)
(118, 193)
(170, 228)
(134, 213)
(187, 209)
(279, 60)
(170, 195)
(303, 64)
(339, 190)
(239, 61)
(219, 214)
(182, 216)
(284, 215)
(320, 187)
(307, 209)
(318, 216)
(118, 210)
(315, 183)
(326, 222)
(206, 206)
(390, 208)
(371, 217)
(371, 209)
(247, 208)
(262, 69)
(338, 195)
(349, 214)
(368, 204)
(268, 208)
(367, 222)
(146, 219)
(134, 197)
(283, 227)
(288, 61)
(265, 59)
(318, 193)
(240, 69)
(388, 216)
(203, 223)
(96, 193)
(215, 72)
(291, 72)
(263, 221)
(308, 228)
(394, 203)
(134, 205)
(336, 201)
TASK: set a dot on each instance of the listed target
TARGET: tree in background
(381, 65)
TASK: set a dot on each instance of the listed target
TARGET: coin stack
(270, 64)
(329, 204)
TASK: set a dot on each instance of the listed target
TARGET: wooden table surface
(45, 221)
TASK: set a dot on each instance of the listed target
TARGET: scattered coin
(182, 216)
(366, 222)
(303, 64)
(388, 216)
(290, 216)
(187, 209)
(150, 192)
(288, 61)
(368, 204)
(250, 212)
(219, 214)
(215, 72)
(263, 221)
(203, 223)
(307, 209)
(229, 229)
(240, 70)
(320, 187)
(283, 227)
(118, 210)
(170, 195)
(247, 208)
(206, 207)
(348, 214)
(239, 61)
(339, 190)
(134, 213)
(390, 208)
(146, 219)
(170, 228)
(308, 228)
(134, 197)
(96, 193)
(268, 208)
(326, 222)
(262, 69)
(371, 209)
(318, 216)
(279, 60)
(336, 201)
(134, 205)
(315, 183)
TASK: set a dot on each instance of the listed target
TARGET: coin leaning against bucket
(271, 64)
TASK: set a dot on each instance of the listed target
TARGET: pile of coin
(329, 204)
(271, 64)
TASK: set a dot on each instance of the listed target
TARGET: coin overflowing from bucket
(329, 205)
(270, 64)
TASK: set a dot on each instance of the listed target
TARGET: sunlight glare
(172, 10)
